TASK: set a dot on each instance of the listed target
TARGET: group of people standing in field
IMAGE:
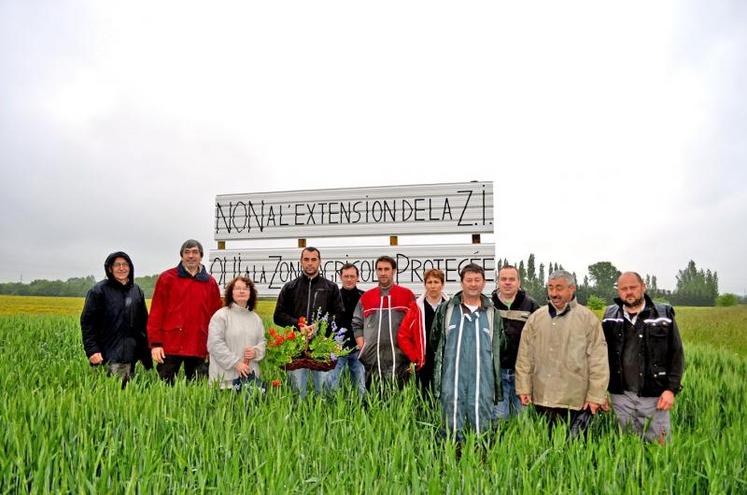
(483, 359)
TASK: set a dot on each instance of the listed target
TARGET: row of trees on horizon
(695, 287)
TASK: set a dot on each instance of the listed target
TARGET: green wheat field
(65, 428)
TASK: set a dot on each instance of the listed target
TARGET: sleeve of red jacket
(217, 300)
(408, 333)
(157, 311)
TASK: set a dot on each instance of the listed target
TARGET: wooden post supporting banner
(302, 243)
(475, 238)
(393, 240)
(221, 244)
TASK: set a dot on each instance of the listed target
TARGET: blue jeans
(510, 404)
(299, 378)
(355, 368)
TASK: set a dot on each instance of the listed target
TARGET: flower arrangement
(308, 346)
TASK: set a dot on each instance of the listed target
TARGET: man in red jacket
(184, 300)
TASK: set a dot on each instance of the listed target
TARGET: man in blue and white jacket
(467, 373)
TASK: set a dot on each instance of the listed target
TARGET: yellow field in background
(66, 306)
(31, 305)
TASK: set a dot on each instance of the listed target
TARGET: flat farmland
(68, 428)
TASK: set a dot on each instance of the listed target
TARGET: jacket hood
(110, 261)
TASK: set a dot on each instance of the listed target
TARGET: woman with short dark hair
(236, 335)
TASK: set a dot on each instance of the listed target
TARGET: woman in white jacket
(236, 335)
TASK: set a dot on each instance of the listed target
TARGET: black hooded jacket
(114, 318)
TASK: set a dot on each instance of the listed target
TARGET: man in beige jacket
(562, 365)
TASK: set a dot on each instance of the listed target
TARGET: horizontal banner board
(465, 207)
(271, 268)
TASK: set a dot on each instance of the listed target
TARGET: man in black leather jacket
(308, 296)
(646, 358)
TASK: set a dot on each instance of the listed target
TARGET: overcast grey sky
(612, 132)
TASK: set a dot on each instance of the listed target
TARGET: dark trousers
(577, 421)
(193, 367)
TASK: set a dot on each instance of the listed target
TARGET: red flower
(275, 383)
(290, 335)
(301, 321)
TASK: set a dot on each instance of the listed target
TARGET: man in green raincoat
(467, 337)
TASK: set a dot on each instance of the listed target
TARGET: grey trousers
(641, 415)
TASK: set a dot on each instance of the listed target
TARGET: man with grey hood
(114, 320)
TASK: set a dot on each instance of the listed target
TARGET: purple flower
(333, 356)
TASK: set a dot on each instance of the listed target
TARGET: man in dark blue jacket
(514, 306)
(114, 320)
(646, 359)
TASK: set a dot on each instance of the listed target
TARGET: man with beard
(646, 359)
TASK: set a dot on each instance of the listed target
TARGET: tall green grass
(69, 428)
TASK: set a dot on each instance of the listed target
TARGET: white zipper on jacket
(456, 368)
(378, 335)
(477, 375)
(391, 341)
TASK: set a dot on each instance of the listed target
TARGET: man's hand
(593, 407)
(666, 401)
(242, 369)
(157, 354)
(249, 354)
(96, 358)
(525, 399)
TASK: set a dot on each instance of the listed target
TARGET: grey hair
(189, 244)
(567, 276)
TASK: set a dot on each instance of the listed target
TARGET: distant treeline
(72, 287)
(695, 287)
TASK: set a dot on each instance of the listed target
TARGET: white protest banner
(463, 207)
(270, 268)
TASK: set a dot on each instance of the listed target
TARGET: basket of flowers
(308, 346)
